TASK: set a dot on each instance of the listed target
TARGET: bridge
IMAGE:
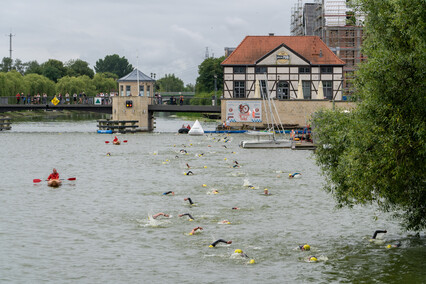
(107, 108)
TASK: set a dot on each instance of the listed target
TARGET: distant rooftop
(133, 77)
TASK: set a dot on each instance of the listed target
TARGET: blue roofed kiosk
(136, 91)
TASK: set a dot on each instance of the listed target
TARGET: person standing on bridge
(18, 98)
(181, 100)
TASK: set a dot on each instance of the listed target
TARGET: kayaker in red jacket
(54, 175)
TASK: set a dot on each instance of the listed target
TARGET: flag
(55, 101)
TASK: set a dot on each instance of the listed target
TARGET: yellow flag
(55, 101)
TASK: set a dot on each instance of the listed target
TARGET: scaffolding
(338, 25)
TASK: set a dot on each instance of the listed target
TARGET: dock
(298, 145)
(118, 126)
(5, 123)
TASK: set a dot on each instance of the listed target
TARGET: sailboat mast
(137, 74)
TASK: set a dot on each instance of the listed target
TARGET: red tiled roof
(253, 48)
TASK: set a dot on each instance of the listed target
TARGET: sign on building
(244, 111)
(98, 101)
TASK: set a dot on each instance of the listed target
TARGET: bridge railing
(187, 100)
(88, 100)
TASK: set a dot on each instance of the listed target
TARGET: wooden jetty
(5, 123)
(303, 145)
(119, 126)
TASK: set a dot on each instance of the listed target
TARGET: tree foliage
(376, 153)
(6, 64)
(170, 83)
(104, 84)
(207, 71)
(76, 85)
(53, 69)
(114, 64)
(79, 67)
(12, 83)
(38, 84)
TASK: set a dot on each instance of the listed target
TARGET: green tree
(114, 64)
(104, 84)
(207, 71)
(76, 85)
(376, 153)
(33, 67)
(19, 66)
(170, 83)
(53, 69)
(79, 67)
(12, 83)
(6, 64)
(38, 84)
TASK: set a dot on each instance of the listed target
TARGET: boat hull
(260, 144)
(54, 183)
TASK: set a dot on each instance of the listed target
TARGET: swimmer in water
(189, 200)
(188, 166)
(240, 253)
(235, 208)
(108, 154)
(168, 192)
(395, 245)
(189, 173)
(195, 229)
(155, 216)
(266, 192)
(187, 214)
(219, 241)
(305, 247)
(294, 175)
(183, 151)
(312, 259)
(225, 222)
(378, 232)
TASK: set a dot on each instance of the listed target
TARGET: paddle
(36, 180)
(125, 141)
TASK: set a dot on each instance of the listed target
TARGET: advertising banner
(244, 111)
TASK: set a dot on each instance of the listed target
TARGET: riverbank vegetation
(376, 154)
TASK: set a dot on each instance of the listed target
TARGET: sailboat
(271, 137)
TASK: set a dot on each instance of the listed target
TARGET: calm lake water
(96, 229)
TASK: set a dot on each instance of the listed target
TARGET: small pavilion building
(128, 85)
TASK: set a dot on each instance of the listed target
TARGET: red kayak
(54, 183)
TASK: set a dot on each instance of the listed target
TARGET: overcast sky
(160, 36)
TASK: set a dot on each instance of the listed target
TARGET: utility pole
(206, 56)
(10, 35)
(10, 45)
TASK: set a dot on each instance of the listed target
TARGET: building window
(239, 89)
(327, 87)
(306, 86)
(141, 91)
(239, 70)
(148, 90)
(263, 89)
(121, 90)
(260, 70)
(128, 91)
(304, 70)
(326, 70)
